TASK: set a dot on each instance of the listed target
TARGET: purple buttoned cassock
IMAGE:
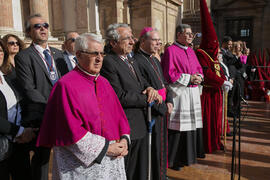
(81, 103)
(177, 61)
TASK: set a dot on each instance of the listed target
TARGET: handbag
(5, 147)
(6, 144)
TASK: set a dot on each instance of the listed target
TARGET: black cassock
(151, 70)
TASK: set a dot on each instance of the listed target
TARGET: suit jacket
(231, 62)
(228, 58)
(35, 84)
(129, 91)
(7, 127)
(151, 76)
(67, 60)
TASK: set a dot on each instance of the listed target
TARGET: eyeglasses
(95, 53)
(71, 39)
(128, 38)
(12, 43)
(157, 40)
(38, 26)
(189, 34)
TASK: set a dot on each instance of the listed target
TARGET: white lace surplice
(186, 114)
(76, 161)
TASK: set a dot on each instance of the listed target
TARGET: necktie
(76, 60)
(130, 67)
(48, 59)
(51, 70)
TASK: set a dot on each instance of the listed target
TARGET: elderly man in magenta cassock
(184, 73)
(84, 121)
(214, 80)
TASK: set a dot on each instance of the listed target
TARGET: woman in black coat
(10, 117)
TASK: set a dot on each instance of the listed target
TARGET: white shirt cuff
(20, 131)
(184, 79)
(128, 136)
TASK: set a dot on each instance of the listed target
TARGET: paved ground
(255, 151)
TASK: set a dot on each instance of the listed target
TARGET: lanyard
(50, 66)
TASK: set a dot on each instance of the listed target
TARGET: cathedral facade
(91, 16)
(245, 20)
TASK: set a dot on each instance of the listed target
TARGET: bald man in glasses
(38, 68)
(69, 53)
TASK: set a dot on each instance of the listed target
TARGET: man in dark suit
(133, 92)
(232, 63)
(226, 48)
(69, 53)
(238, 74)
(37, 68)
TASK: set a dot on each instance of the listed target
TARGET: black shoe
(201, 156)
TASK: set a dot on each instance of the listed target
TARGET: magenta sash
(162, 92)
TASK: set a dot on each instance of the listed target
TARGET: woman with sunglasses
(10, 118)
(13, 45)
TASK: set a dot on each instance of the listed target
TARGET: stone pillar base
(4, 31)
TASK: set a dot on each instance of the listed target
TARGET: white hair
(112, 33)
(81, 42)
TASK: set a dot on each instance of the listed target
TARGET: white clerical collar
(40, 49)
(180, 45)
(89, 74)
(145, 52)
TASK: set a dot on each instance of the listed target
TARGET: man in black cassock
(151, 70)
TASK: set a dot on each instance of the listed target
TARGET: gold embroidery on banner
(217, 69)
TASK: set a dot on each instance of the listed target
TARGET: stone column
(126, 12)
(81, 10)
(40, 7)
(119, 11)
(140, 16)
(6, 16)
(108, 14)
(69, 15)
(56, 18)
(17, 18)
(93, 17)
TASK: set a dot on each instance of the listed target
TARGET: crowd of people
(88, 103)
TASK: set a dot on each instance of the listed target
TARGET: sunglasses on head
(12, 43)
(44, 25)
(71, 39)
